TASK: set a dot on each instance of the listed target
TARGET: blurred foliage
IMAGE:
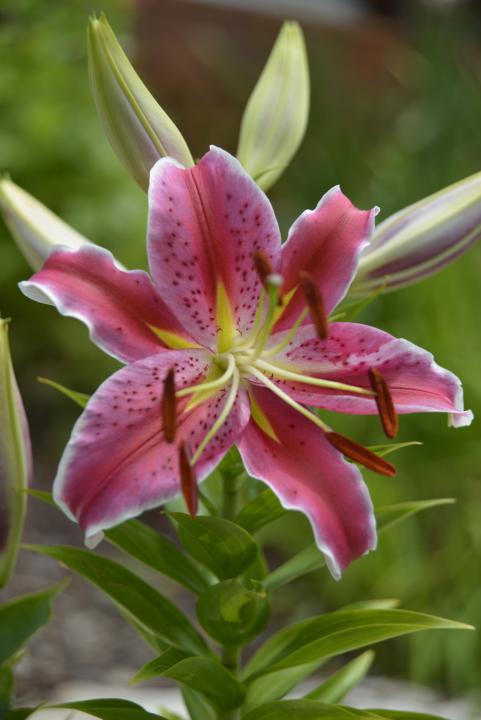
(395, 116)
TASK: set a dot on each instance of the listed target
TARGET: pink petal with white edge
(205, 224)
(327, 243)
(118, 306)
(417, 382)
(309, 475)
(117, 463)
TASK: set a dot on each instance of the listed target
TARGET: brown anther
(188, 480)
(360, 454)
(315, 303)
(263, 266)
(384, 402)
(169, 407)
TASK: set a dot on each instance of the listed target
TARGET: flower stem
(230, 495)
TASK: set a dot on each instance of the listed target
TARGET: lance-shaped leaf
(275, 118)
(340, 683)
(15, 460)
(137, 599)
(35, 228)
(139, 131)
(22, 617)
(421, 239)
(110, 709)
(336, 633)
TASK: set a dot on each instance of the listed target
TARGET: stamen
(211, 384)
(287, 399)
(188, 480)
(285, 342)
(263, 266)
(384, 402)
(309, 380)
(360, 454)
(228, 405)
(315, 304)
(169, 407)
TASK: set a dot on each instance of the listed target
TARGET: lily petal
(117, 463)
(309, 475)
(205, 224)
(417, 383)
(124, 313)
(326, 242)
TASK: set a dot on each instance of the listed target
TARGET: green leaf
(310, 558)
(22, 617)
(276, 685)
(305, 561)
(6, 689)
(304, 710)
(338, 632)
(159, 665)
(388, 448)
(390, 515)
(20, 713)
(110, 709)
(211, 679)
(340, 683)
(203, 675)
(144, 544)
(232, 613)
(196, 705)
(261, 511)
(378, 604)
(78, 397)
(141, 601)
(222, 546)
(395, 714)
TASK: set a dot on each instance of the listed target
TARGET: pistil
(228, 405)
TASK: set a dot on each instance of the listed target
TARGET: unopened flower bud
(35, 229)
(15, 460)
(139, 131)
(423, 238)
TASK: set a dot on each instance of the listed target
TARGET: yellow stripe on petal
(261, 419)
(226, 331)
(173, 341)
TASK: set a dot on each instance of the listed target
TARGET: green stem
(230, 655)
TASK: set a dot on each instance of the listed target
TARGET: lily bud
(15, 460)
(35, 229)
(275, 117)
(139, 131)
(421, 239)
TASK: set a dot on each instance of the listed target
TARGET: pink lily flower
(233, 325)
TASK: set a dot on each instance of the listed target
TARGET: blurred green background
(396, 112)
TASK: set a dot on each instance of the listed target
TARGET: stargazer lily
(230, 343)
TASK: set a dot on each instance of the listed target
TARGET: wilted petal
(309, 475)
(15, 460)
(117, 463)
(325, 242)
(139, 130)
(35, 229)
(124, 313)
(417, 383)
(275, 118)
(205, 224)
(421, 239)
